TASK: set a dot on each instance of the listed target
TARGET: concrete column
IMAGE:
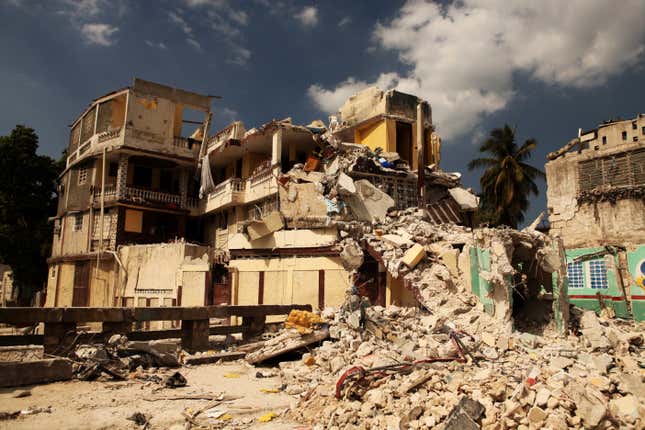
(183, 188)
(276, 153)
(122, 176)
(194, 335)
(59, 337)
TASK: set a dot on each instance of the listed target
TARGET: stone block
(414, 255)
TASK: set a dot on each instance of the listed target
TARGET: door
(81, 284)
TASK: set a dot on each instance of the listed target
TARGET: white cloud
(462, 58)
(227, 20)
(159, 45)
(195, 44)
(180, 22)
(82, 9)
(308, 16)
(240, 56)
(345, 21)
(99, 34)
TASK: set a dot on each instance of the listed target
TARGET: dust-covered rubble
(405, 371)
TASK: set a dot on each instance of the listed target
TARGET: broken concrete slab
(345, 185)
(268, 224)
(16, 373)
(369, 203)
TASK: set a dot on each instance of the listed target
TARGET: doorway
(81, 284)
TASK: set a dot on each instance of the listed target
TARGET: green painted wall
(636, 266)
(480, 261)
(612, 296)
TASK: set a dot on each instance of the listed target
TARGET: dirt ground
(106, 405)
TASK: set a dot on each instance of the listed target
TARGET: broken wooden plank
(206, 359)
(287, 345)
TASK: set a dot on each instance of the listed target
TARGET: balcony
(177, 146)
(229, 192)
(138, 195)
(240, 191)
(94, 143)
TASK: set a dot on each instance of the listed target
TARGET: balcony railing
(110, 194)
(153, 196)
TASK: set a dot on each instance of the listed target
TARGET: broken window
(598, 274)
(111, 114)
(575, 275)
(618, 170)
(74, 135)
(82, 175)
(87, 127)
(78, 222)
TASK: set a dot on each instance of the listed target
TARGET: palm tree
(508, 181)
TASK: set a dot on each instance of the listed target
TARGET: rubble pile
(404, 370)
(120, 359)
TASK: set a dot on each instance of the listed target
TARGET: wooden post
(194, 335)
(59, 337)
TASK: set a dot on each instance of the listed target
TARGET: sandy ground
(103, 405)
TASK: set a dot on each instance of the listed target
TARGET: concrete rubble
(404, 370)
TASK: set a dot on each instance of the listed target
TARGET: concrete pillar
(194, 335)
(276, 153)
(59, 337)
(183, 188)
(122, 176)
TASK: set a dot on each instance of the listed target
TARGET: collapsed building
(281, 213)
(596, 201)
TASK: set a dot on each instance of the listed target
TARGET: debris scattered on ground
(409, 368)
(175, 380)
(139, 419)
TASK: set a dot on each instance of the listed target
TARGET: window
(598, 274)
(604, 140)
(575, 275)
(53, 272)
(78, 222)
(635, 139)
(82, 175)
(634, 126)
(624, 135)
(643, 130)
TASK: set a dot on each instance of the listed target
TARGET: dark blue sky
(547, 74)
